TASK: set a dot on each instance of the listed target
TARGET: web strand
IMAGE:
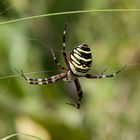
(48, 71)
(28, 73)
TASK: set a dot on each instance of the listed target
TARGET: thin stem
(69, 12)
(27, 135)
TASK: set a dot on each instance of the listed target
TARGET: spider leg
(56, 61)
(21, 73)
(70, 102)
(103, 71)
(64, 42)
(40, 81)
(103, 75)
(80, 95)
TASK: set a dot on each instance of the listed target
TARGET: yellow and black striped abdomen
(80, 60)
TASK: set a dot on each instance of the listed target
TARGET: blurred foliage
(110, 108)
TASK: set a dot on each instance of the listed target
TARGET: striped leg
(56, 61)
(80, 95)
(64, 42)
(104, 76)
(39, 81)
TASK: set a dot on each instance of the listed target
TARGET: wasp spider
(78, 64)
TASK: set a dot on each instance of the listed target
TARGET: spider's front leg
(64, 42)
(64, 49)
(56, 61)
(103, 75)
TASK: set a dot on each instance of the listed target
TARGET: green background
(110, 107)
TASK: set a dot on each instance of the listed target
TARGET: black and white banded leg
(77, 103)
(79, 91)
(64, 42)
(56, 61)
(42, 81)
(103, 75)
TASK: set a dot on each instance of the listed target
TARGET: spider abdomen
(80, 60)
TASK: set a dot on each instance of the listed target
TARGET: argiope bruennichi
(78, 64)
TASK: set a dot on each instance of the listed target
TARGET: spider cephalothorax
(78, 65)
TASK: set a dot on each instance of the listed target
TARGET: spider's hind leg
(70, 102)
(76, 103)
(73, 103)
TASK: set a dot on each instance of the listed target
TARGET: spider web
(71, 90)
(29, 39)
(34, 72)
(49, 48)
(45, 44)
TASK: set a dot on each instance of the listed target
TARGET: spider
(78, 64)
